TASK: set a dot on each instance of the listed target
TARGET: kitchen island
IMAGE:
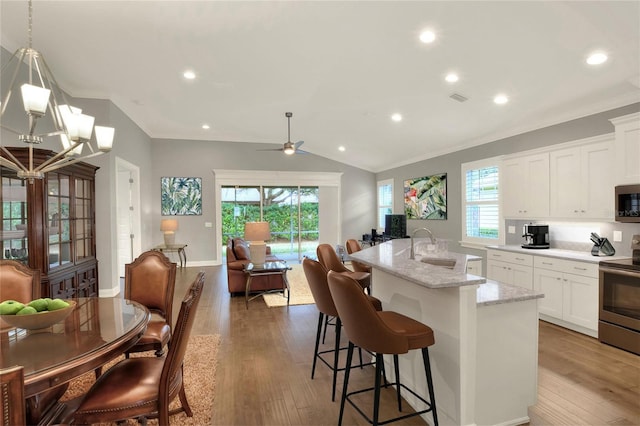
(485, 357)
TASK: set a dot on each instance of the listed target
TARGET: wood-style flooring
(264, 368)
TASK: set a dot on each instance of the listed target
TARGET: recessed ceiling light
(597, 58)
(501, 99)
(341, 149)
(396, 117)
(189, 75)
(452, 77)
(206, 126)
(427, 36)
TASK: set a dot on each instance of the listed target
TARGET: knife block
(604, 248)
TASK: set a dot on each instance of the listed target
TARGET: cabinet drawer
(505, 256)
(567, 266)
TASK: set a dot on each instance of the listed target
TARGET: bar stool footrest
(394, 419)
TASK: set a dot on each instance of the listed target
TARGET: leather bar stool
(317, 278)
(381, 332)
(354, 246)
(330, 260)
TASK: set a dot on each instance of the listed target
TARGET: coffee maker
(536, 236)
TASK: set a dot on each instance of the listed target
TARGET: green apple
(10, 307)
(39, 304)
(56, 304)
(27, 310)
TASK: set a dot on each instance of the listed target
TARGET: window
(385, 201)
(481, 222)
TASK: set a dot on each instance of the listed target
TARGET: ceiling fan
(289, 147)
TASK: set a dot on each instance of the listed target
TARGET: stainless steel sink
(439, 261)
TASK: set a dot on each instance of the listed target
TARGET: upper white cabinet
(581, 180)
(525, 186)
(627, 148)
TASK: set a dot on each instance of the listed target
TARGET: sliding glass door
(292, 213)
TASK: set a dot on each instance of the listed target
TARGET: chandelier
(40, 94)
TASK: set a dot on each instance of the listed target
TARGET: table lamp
(257, 233)
(169, 227)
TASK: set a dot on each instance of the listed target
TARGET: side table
(268, 268)
(179, 248)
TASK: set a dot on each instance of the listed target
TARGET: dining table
(98, 330)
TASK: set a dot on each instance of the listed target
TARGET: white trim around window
(330, 208)
(385, 201)
(481, 195)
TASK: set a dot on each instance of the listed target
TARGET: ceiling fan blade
(298, 144)
(272, 149)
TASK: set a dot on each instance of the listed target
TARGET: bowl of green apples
(37, 314)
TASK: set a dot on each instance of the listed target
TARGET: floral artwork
(426, 197)
(181, 196)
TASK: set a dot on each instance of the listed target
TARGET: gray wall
(451, 228)
(188, 158)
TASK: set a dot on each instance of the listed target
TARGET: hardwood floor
(264, 368)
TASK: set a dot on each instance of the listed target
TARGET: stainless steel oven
(619, 316)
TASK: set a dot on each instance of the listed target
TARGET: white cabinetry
(525, 186)
(627, 163)
(581, 180)
(474, 267)
(570, 293)
(510, 268)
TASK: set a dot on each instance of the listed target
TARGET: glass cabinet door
(59, 219)
(13, 233)
(83, 219)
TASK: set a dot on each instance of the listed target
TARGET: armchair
(237, 257)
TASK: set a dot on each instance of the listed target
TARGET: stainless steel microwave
(628, 203)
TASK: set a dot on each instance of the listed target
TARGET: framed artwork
(181, 196)
(426, 197)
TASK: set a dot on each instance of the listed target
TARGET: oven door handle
(620, 272)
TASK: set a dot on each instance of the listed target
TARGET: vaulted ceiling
(342, 67)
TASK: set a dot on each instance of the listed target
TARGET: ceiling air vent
(458, 97)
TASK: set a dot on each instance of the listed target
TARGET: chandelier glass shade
(43, 98)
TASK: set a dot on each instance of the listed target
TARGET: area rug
(199, 381)
(300, 292)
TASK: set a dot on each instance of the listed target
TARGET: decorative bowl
(39, 320)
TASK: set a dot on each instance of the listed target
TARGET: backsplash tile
(575, 235)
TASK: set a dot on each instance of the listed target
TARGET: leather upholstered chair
(150, 280)
(381, 332)
(316, 276)
(12, 393)
(330, 260)
(353, 246)
(19, 282)
(144, 387)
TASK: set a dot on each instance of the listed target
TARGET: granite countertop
(494, 292)
(393, 257)
(558, 253)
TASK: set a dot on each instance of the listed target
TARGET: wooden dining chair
(328, 257)
(12, 391)
(150, 280)
(143, 387)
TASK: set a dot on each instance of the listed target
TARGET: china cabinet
(49, 224)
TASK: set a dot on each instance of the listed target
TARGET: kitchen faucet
(433, 241)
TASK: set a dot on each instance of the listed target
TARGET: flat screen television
(395, 225)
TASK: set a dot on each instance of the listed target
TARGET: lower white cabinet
(510, 268)
(474, 267)
(570, 291)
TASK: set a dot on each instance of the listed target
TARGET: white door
(128, 213)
